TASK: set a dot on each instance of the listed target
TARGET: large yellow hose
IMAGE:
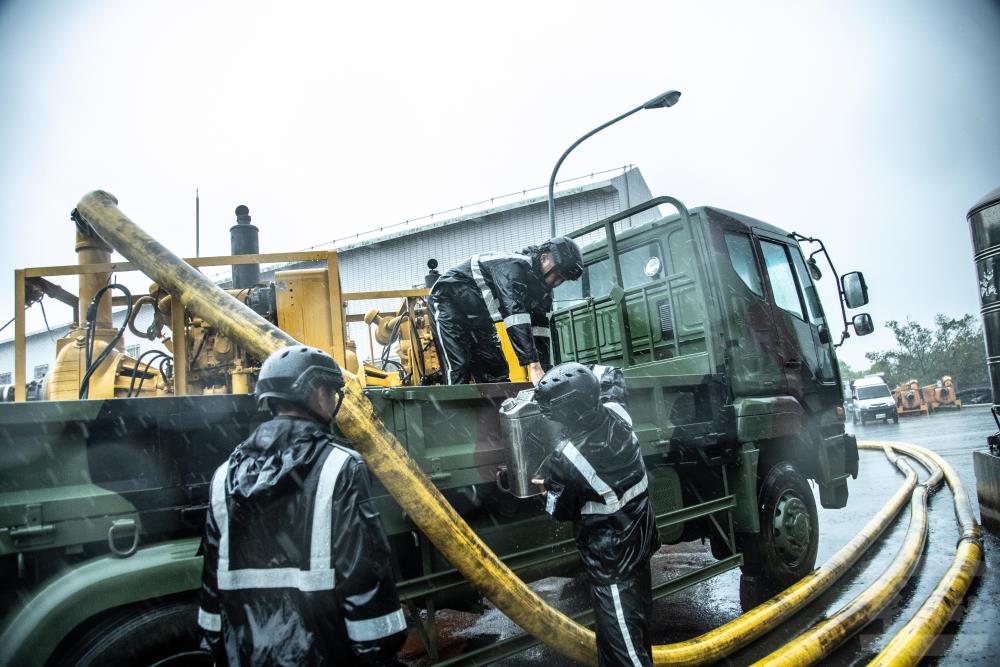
(386, 458)
(427, 508)
(820, 640)
(911, 643)
(716, 644)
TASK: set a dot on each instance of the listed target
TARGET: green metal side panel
(33, 629)
(746, 519)
(767, 417)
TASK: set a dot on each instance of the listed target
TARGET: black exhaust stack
(243, 240)
(984, 220)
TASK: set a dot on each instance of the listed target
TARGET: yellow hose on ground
(716, 644)
(820, 640)
(911, 643)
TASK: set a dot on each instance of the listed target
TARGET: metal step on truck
(714, 318)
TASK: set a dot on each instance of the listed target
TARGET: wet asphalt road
(972, 638)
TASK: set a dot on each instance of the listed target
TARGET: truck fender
(33, 630)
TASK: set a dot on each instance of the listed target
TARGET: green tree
(848, 373)
(954, 347)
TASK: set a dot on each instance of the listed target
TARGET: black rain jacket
(297, 566)
(512, 288)
(598, 481)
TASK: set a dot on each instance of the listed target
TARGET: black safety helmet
(568, 393)
(292, 374)
(566, 256)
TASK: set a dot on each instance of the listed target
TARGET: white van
(872, 400)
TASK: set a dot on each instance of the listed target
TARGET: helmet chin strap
(333, 416)
(340, 401)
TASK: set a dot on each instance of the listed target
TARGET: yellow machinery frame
(23, 278)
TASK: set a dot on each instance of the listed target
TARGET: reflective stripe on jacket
(511, 291)
(599, 482)
(297, 567)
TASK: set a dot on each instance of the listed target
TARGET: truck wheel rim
(792, 528)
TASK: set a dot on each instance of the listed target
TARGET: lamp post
(667, 99)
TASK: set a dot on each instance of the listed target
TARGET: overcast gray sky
(874, 125)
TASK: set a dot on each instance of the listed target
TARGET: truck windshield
(878, 391)
(596, 280)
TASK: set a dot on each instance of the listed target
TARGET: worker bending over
(467, 301)
(596, 478)
(297, 568)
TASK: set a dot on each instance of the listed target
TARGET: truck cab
(728, 354)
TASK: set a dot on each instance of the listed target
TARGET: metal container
(529, 438)
(984, 221)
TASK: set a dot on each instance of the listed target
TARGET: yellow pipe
(427, 508)
(970, 528)
(912, 642)
(387, 459)
(197, 293)
(820, 640)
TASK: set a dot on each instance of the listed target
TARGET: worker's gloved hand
(535, 373)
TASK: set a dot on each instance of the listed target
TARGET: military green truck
(733, 385)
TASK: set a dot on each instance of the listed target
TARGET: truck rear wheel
(785, 549)
(164, 636)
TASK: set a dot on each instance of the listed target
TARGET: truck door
(751, 344)
(825, 371)
(801, 358)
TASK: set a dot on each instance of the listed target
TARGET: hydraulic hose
(911, 643)
(716, 644)
(385, 456)
(430, 511)
(820, 640)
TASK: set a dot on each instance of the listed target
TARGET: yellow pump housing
(941, 395)
(910, 399)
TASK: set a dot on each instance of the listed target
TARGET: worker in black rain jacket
(467, 301)
(596, 478)
(297, 568)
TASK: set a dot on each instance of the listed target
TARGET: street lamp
(667, 99)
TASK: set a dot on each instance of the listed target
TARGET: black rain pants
(466, 338)
(622, 612)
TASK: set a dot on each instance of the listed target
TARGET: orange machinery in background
(910, 399)
(941, 395)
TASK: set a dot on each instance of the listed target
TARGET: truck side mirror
(863, 325)
(855, 289)
(814, 271)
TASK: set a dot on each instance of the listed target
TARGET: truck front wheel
(165, 635)
(785, 549)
